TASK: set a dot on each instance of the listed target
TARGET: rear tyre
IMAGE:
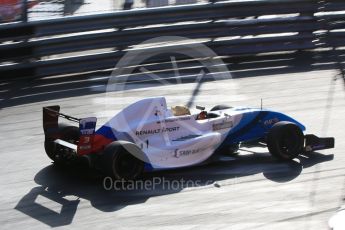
(220, 107)
(285, 140)
(59, 154)
(229, 150)
(233, 150)
(120, 164)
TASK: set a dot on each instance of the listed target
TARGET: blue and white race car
(147, 135)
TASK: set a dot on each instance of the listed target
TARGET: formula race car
(147, 135)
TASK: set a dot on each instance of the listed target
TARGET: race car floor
(252, 192)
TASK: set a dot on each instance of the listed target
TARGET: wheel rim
(127, 166)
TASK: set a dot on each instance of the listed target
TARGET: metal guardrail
(27, 48)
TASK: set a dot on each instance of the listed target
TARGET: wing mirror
(202, 108)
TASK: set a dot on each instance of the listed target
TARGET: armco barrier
(43, 48)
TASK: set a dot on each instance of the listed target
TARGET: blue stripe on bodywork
(249, 128)
(106, 132)
(148, 167)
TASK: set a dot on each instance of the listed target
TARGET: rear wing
(52, 129)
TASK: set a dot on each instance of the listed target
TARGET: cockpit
(181, 110)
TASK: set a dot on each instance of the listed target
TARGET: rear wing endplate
(86, 126)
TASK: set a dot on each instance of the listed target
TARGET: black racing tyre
(230, 150)
(220, 107)
(285, 140)
(233, 150)
(120, 164)
(60, 154)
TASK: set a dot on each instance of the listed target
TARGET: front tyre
(285, 140)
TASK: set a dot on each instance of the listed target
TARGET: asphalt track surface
(252, 192)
